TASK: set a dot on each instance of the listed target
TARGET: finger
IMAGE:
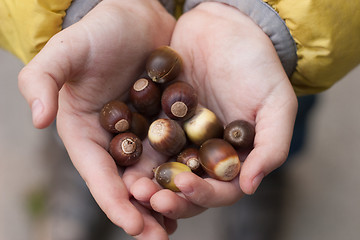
(208, 192)
(274, 129)
(41, 79)
(143, 189)
(152, 228)
(41, 92)
(173, 206)
(100, 173)
(170, 225)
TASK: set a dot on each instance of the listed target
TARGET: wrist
(79, 8)
(227, 25)
(268, 20)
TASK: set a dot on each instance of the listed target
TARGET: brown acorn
(139, 125)
(190, 157)
(179, 101)
(219, 159)
(145, 96)
(203, 126)
(126, 149)
(240, 134)
(166, 136)
(164, 64)
(166, 172)
(115, 117)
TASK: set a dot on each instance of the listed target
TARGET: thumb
(40, 91)
(274, 128)
(40, 80)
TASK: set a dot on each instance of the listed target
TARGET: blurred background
(320, 201)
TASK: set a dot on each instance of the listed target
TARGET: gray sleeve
(270, 22)
(79, 8)
(169, 5)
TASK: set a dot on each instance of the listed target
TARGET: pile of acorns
(193, 135)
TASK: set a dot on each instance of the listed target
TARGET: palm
(232, 79)
(240, 78)
(103, 67)
(105, 60)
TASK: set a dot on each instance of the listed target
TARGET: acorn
(179, 101)
(126, 149)
(190, 157)
(202, 126)
(219, 159)
(164, 64)
(139, 125)
(240, 134)
(166, 136)
(166, 172)
(115, 117)
(145, 96)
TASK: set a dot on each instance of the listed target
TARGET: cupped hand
(235, 68)
(80, 69)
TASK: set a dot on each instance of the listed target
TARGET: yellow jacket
(326, 33)
(26, 25)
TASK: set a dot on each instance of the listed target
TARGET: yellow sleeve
(26, 25)
(327, 34)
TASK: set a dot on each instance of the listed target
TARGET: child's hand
(77, 72)
(236, 70)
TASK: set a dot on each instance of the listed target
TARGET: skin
(85, 66)
(236, 70)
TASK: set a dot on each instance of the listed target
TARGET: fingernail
(36, 108)
(256, 181)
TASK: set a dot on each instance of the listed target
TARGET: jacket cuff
(79, 8)
(169, 5)
(269, 21)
